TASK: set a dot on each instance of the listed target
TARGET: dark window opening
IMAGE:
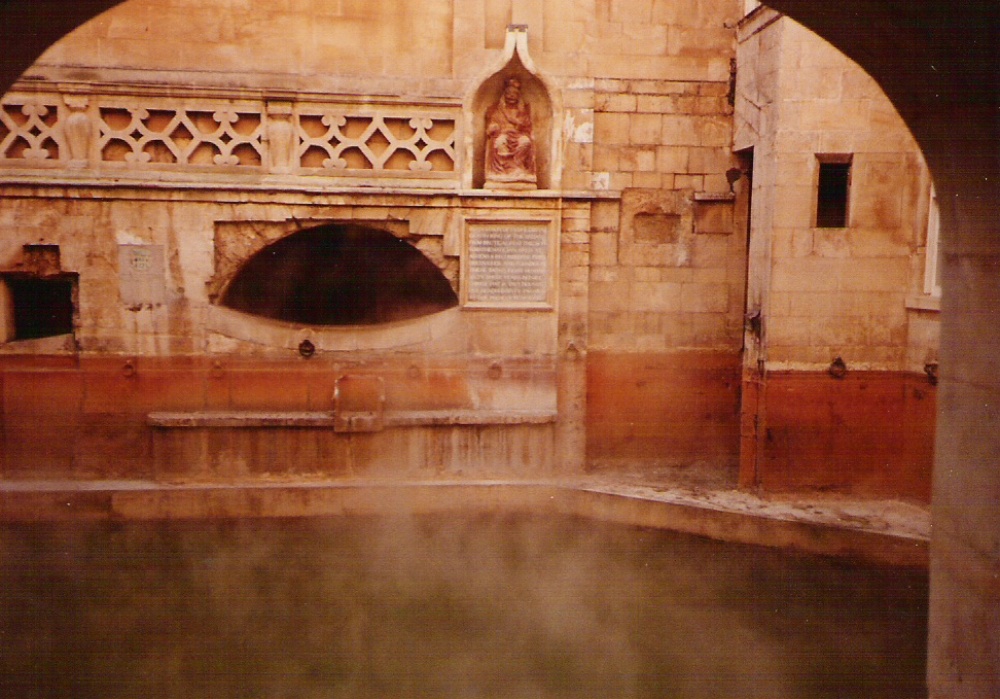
(339, 275)
(832, 194)
(43, 307)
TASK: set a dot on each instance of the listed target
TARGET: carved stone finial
(516, 43)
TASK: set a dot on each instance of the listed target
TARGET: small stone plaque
(141, 274)
(508, 265)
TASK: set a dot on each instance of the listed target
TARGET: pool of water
(443, 606)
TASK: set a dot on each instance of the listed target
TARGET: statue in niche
(510, 141)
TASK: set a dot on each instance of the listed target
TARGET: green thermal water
(443, 606)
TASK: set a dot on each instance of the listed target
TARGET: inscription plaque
(141, 274)
(508, 265)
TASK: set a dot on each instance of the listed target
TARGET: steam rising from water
(443, 606)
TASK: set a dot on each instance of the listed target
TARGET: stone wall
(278, 117)
(835, 391)
(466, 390)
(831, 291)
(640, 133)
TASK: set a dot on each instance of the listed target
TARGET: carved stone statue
(510, 141)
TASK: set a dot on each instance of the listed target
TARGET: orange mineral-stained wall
(165, 143)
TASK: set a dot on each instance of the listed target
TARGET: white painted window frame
(932, 277)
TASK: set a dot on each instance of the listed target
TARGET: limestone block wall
(855, 292)
(842, 291)
(297, 43)
(443, 50)
(667, 277)
(465, 391)
(307, 42)
(640, 101)
(112, 147)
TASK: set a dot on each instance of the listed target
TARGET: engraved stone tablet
(508, 265)
(141, 274)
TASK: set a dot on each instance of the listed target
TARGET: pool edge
(138, 500)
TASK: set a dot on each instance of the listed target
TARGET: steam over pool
(442, 606)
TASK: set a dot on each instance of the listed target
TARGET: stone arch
(339, 275)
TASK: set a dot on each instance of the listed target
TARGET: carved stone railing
(122, 135)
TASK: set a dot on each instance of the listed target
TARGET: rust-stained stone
(663, 408)
(869, 433)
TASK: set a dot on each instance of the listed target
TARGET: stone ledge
(923, 302)
(415, 418)
(240, 419)
(714, 197)
(170, 183)
(283, 335)
(248, 419)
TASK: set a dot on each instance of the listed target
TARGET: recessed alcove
(339, 275)
(40, 306)
(536, 96)
(37, 298)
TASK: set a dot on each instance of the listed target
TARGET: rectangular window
(833, 191)
(42, 307)
(38, 299)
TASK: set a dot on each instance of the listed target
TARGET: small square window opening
(42, 307)
(832, 194)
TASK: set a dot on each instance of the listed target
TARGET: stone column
(964, 639)
(574, 263)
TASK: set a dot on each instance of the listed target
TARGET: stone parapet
(116, 134)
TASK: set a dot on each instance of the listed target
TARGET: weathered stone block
(611, 128)
(704, 298)
(713, 218)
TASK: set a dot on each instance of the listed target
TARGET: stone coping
(400, 418)
(882, 532)
(923, 302)
(276, 185)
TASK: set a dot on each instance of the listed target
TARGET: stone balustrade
(143, 136)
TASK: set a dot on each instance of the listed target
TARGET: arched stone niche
(537, 97)
(339, 275)
(394, 286)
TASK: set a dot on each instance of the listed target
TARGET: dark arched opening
(339, 275)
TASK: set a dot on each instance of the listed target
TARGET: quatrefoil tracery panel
(377, 142)
(134, 135)
(28, 131)
(224, 137)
